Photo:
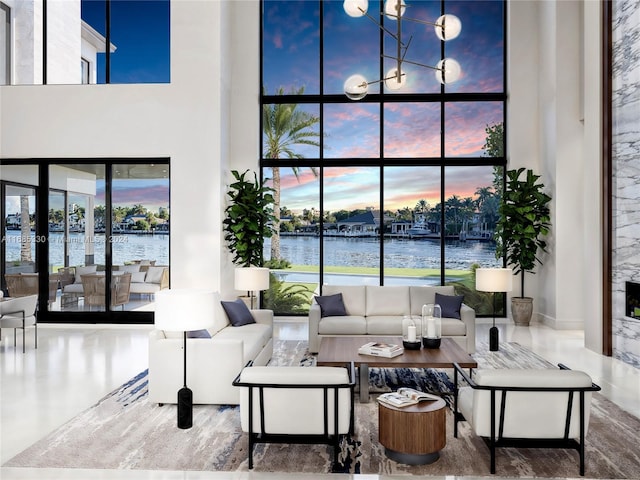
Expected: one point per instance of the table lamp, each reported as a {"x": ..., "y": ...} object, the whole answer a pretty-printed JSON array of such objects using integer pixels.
[
  {"x": 494, "y": 280},
  {"x": 184, "y": 310},
  {"x": 251, "y": 279}
]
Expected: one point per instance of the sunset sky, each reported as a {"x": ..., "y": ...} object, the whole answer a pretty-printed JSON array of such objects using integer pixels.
[{"x": 291, "y": 59}]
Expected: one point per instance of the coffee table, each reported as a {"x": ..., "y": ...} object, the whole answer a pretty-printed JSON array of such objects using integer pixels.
[{"x": 339, "y": 351}]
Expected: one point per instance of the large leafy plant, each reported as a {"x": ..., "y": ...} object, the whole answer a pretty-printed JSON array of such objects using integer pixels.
[
  {"x": 524, "y": 222},
  {"x": 248, "y": 219}
]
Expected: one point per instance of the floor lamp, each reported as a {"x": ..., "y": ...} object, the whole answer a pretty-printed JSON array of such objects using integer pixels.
[
  {"x": 494, "y": 280},
  {"x": 184, "y": 310},
  {"x": 251, "y": 280}
]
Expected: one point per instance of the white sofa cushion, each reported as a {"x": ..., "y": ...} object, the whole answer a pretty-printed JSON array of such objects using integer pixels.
[
  {"x": 349, "y": 325},
  {"x": 295, "y": 411},
  {"x": 254, "y": 337},
  {"x": 527, "y": 414},
  {"x": 144, "y": 287},
  {"x": 385, "y": 325},
  {"x": 387, "y": 301}
]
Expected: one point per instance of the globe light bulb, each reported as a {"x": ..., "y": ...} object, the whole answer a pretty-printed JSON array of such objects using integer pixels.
[
  {"x": 448, "y": 71},
  {"x": 355, "y": 8},
  {"x": 448, "y": 27},
  {"x": 391, "y": 9},
  {"x": 356, "y": 87},
  {"x": 394, "y": 82}
]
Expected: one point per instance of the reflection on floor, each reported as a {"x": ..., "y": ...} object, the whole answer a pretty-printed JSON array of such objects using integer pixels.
[{"x": 75, "y": 366}]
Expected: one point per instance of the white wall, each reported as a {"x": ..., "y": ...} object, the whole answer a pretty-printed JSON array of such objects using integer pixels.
[
  {"x": 206, "y": 121},
  {"x": 553, "y": 128}
]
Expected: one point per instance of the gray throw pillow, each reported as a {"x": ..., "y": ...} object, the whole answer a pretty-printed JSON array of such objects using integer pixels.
[
  {"x": 450, "y": 305},
  {"x": 238, "y": 313},
  {"x": 331, "y": 305},
  {"x": 198, "y": 334}
]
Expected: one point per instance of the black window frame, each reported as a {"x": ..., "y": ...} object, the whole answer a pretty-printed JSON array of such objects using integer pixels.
[{"x": 382, "y": 99}]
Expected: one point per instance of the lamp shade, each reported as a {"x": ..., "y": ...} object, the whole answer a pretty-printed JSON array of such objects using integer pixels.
[
  {"x": 252, "y": 279},
  {"x": 494, "y": 279},
  {"x": 184, "y": 310}
]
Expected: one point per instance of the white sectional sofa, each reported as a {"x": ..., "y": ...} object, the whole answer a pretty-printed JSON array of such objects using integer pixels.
[
  {"x": 376, "y": 310},
  {"x": 212, "y": 363}
]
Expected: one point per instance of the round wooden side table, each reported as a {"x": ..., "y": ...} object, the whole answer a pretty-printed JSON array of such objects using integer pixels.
[{"x": 413, "y": 435}]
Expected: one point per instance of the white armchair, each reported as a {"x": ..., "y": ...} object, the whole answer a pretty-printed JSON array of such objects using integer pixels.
[
  {"x": 525, "y": 408},
  {"x": 17, "y": 313},
  {"x": 296, "y": 405}
]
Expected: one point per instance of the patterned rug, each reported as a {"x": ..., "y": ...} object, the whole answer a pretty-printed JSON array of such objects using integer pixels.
[{"x": 125, "y": 431}]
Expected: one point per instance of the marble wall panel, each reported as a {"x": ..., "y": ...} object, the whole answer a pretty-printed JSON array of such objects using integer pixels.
[{"x": 626, "y": 174}]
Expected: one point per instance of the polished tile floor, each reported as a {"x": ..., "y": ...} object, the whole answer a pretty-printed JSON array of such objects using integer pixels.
[{"x": 75, "y": 366}]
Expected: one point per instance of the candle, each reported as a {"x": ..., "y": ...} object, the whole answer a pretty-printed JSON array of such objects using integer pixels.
[
  {"x": 411, "y": 333},
  {"x": 431, "y": 328}
]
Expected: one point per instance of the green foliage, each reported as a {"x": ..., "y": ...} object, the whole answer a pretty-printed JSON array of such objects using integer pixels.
[
  {"x": 248, "y": 218},
  {"x": 142, "y": 225},
  {"x": 277, "y": 264},
  {"x": 289, "y": 299},
  {"x": 494, "y": 143},
  {"x": 524, "y": 221}
]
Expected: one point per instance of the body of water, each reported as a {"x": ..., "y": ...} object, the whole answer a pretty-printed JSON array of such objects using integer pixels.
[
  {"x": 125, "y": 248},
  {"x": 400, "y": 253}
]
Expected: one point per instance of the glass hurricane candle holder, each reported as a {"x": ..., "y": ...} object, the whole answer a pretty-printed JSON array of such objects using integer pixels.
[{"x": 431, "y": 325}]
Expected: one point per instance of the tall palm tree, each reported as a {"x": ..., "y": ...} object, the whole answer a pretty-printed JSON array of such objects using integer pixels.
[
  {"x": 284, "y": 127},
  {"x": 25, "y": 230}
]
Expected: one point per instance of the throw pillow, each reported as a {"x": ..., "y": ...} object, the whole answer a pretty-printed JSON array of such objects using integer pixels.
[
  {"x": 331, "y": 305},
  {"x": 138, "y": 277},
  {"x": 238, "y": 313},
  {"x": 154, "y": 275},
  {"x": 198, "y": 334},
  {"x": 88, "y": 270},
  {"x": 450, "y": 305}
]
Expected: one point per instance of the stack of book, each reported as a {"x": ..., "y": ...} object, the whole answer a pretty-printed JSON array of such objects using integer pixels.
[{"x": 379, "y": 349}]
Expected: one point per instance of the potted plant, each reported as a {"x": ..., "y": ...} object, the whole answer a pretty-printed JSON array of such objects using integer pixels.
[
  {"x": 248, "y": 219},
  {"x": 520, "y": 231}
]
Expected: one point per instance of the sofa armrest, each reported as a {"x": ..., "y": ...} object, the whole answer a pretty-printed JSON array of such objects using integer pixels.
[
  {"x": 263, "y": 316},
  {"x": 468, "y": 317},
  {"x": 314, "y": 325},
  {"x": 166, "y": 365}
]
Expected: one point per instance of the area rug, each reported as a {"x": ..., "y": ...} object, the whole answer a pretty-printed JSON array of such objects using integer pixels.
[{"x": 125, "y": 431}]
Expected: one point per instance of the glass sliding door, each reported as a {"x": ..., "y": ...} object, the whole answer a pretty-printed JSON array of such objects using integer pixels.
[
  {"x": 139, "y": 233},
  {"x": 19, "y": 268},
  {"x": 76, "y": 236}
]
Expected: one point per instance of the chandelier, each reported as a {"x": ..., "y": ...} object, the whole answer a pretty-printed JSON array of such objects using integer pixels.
[{"x": 447, "y": 27}]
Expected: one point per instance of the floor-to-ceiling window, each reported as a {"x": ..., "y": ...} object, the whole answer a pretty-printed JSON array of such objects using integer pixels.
[
  {"x": 401, "y": 186},
  {"x": 91, "y": 238},
  {"x": 113, "y": 41}
]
